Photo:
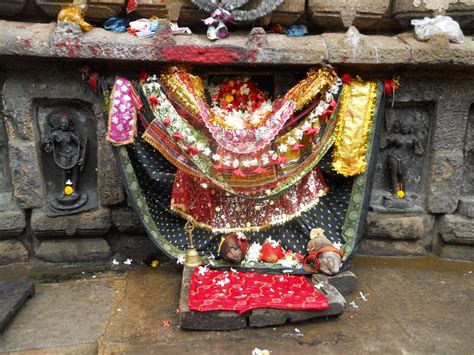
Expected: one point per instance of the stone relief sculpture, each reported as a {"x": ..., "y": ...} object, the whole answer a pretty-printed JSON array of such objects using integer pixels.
[
  {"x": 404, "y": 137},
  {"x": 69, "y": 153}
]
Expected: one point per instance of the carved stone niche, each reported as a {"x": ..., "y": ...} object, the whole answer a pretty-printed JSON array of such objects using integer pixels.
[
  {"x": 68, "y": 146},
  {"x": 402, "y": 162}
]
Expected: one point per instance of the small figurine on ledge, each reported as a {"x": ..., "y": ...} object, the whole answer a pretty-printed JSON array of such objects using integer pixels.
[{"x": 322, "y": 256}]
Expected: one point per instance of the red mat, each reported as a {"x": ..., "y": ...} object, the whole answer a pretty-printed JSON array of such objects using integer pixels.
[{"x": 216, "y": 290}]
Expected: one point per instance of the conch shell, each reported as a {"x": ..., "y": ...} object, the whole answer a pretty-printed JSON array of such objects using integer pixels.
[{"x": 329, "y": 261}]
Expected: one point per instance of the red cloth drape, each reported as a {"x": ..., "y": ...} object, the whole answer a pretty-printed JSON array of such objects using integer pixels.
[{"x": 216, "y": 290}]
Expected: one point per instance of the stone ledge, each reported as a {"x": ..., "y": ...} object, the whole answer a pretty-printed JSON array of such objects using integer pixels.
[
  {"x": 456, "y": 229},
  {"x": 74, "y": 250},
  {"x": 96, "y": 222},
  {"x": 399, "y": 226},
  {"x": 66, "y": 41},
  {"x": 375, "y": 247}
]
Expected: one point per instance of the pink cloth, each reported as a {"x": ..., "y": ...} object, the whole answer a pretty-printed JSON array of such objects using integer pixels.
[
  {"x": 215, "y": 290},
  {"x": 122, "y": 126}
]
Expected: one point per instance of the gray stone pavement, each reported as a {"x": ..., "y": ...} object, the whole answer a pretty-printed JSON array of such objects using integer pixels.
[{"x": 414, "y": 306}]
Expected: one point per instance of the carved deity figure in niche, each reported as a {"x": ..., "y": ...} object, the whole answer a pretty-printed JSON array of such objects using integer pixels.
[
  {"x": 406, "y": 135},
  {"x": 69, "y": 154}
]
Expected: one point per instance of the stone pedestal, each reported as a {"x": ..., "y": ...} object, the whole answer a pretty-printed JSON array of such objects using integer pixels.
[{"x": 264, "y": 317}]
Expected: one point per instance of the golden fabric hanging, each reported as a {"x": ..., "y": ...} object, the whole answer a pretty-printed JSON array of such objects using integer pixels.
[
  {"x": 317, "y": 82},
  {"x": 354, "y": 121}
]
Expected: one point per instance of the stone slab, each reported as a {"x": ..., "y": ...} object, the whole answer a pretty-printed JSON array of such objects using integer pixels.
[
  {"x": 12, "y": 251},
  {"x": 205, "y": 320},
  {"x": 345, "y": 282},
  {"x": 12, "y": 222},
  {"x": 25, "y": 172},
  {"x": 61, "y": 315},
  {"x": 445, "y": 181},
  {"x": 92, "y": 223},
  {"x": 267, "y": 317},
  {"x": 28, "y": 39},
  {"x": 338, "y": 14},
  {"x": 355, "y": 48},
  {"x": 13, "y": 296},
  {"x": 109, "y": 182},
  {"x": 399, "y": 226},
  {"x": 74, "y": 250},
  {"x": 227, "y": 320},
  {"x": 457, "y": 252},
  {"x": 466, "y": 206},
  {"x": 456, "y": 229},
  {"x": 377, "y": 247}
]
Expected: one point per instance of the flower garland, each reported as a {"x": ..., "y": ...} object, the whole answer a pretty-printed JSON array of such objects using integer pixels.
[{"x": 199, "y": 146}]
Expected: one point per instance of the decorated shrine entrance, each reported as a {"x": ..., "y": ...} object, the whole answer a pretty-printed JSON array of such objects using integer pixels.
[{"x": 253, "y": 180}]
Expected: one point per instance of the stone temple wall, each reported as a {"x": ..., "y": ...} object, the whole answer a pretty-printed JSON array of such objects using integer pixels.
[{"x": 39, "y": 71}]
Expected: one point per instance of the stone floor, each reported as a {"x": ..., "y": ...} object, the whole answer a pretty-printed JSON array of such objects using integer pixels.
[{"x": 413, "y": 306}]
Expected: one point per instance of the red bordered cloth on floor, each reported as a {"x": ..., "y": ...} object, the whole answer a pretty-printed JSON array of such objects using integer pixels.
[{"x": 216, "y": 290}]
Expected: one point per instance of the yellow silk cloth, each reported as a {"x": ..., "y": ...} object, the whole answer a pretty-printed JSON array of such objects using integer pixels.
[{"x": 354, "y": 120}]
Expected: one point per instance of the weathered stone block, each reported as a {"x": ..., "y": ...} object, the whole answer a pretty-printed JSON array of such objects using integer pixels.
[
  {"x": 12, "y": 251},
  {"x": 109, "y": 181},
  {"x": 11, "y": 7},
  {"x": 399, "y": 226},
  {"x": 338, "y": 14},
  {"x": 353, "y": 47},
  {"x": 437, "y": 52},
  {"x": 456, "y": 229},
  {"x": 127, "y": 221},
  {"x": 461, "y": 11},
  {"x": 466, "y": 206},
  {"x": 74, "y": 250},
  {"x": 392, "y": 248},
  {"x": 13, "y": 296},
  {"x": 25, "y": 173},
  {"x": 265, "y": 317},
  {"x": 97, "y": 9},
  {"x": 445, "y": 181},
  {"x": 12, "y": 222},
  {"x": 297, "y": 50},
  {"x": 345, "y": 282},
  {"x": 457, "y": 252},
  {"x": 93, "y": 223}
]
